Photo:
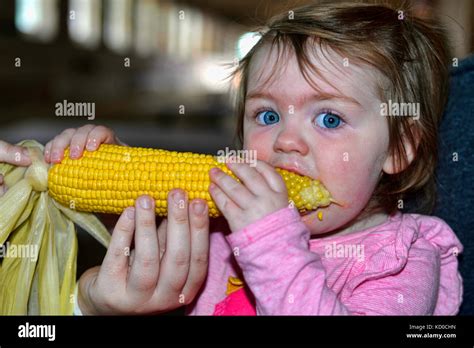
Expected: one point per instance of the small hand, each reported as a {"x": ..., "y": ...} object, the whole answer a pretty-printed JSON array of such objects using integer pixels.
[{"x": 261, "y": 192}]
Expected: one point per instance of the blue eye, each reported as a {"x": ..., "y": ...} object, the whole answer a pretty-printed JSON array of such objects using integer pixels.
[
  {"x": 328, "y": 120},
  {"x": 267, "y": 117}
]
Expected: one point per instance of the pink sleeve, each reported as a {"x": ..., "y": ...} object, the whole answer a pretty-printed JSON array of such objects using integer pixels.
[
  {"x": 287, "y": 278},
  {"x": 283, "y": 274}
]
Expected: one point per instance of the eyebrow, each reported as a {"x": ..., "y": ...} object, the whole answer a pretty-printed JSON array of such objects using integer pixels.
[{"x": 305, "y": 99}]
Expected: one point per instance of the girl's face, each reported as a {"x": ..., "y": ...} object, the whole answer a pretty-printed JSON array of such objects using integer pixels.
[{"x": 336, "y": 135}]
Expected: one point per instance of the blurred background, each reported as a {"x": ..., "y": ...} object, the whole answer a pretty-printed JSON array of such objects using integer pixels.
[{"x": 154, "y": 69}]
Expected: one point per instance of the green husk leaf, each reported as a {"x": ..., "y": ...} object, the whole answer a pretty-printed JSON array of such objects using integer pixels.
[
  {"x": 43, "y": 284},
  {"x": 88, "y": 222},
  {"x": 48, "y": 285},
  {"x": 12, "y": 205},
  {"x": 17, "y": 273}
]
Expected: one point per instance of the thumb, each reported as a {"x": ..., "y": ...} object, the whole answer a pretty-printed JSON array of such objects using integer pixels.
[
  {"x": 13, "y": 154},
  {"x": 86, "y": 281}
]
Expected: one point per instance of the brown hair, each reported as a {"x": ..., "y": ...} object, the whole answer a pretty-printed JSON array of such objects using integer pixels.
[{"x": 412, "y": 56}]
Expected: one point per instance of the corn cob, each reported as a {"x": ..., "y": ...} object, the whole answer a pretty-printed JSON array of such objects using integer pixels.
[{"x": 110, "y": 179}]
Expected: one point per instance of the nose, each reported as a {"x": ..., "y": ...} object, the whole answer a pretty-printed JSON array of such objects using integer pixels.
[{"x": 290, "y": 140}]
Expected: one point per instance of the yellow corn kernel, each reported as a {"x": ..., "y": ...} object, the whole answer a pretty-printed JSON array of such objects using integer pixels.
[{"x": 94, "y": 184}]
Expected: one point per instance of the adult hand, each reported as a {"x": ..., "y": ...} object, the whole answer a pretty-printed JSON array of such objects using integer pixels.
[{"x": 12, "y": 154}]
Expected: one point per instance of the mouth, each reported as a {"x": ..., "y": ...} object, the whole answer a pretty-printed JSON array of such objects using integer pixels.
[
  {"x": 309, "y": 192},
  {"x": 293, "y": 170}
]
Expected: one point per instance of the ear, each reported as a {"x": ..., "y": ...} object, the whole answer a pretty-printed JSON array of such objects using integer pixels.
[{"x": 393, "y": 164}]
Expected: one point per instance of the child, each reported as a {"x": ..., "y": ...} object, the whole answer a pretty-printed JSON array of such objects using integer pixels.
[{"x": 350, "y": 94}]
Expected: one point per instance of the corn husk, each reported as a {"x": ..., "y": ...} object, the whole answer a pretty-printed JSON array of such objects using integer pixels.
[{"x": 41, "y": 279}]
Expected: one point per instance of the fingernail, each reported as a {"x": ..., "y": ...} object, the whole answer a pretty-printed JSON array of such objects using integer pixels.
[
  {"x": 130, "y": 213},
  {"x": 91, "y": 144},
  {"x": 215, "y": 171},
  {"x": 178, "y": 197},
  {"x": 199, "y": 207},
  {"x": 145, "y": 202},
  {"x": 74, "y": 152},
  {"x": 55, "y": 156}
]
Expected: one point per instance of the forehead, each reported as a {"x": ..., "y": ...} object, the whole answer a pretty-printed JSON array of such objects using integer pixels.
[{"x": 279, "y": 74}]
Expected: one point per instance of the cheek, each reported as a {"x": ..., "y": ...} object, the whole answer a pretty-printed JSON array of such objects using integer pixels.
[
  {"x": 350, "y": 171},
  {"x": 260, "y": 141}
]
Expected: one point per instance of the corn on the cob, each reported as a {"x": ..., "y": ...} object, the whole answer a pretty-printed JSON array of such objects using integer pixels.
[{"x": 110, "y": 179}]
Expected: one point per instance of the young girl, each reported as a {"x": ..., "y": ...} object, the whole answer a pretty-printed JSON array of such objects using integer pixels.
[{"x": 349, "y": 94}]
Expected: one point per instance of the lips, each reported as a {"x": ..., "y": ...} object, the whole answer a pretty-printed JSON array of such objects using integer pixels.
[
  {"x": 293, "y": 169},
  {"x": 294, "y": 164}
]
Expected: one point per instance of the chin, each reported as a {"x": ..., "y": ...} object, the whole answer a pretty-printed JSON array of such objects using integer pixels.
[
  {"x": 316, "y": 226},
  {"x": 334, "y": 217}
]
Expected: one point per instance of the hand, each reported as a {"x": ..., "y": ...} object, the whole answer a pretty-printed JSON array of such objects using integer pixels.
[
  {"x": 88, "y": 137},
  {"x": 12, "y": 154},
  {"x": 164, "y": 271},
  {"x": 261, "y": 192}
]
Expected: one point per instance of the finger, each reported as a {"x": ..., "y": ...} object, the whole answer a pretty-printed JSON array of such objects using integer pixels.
[
  {"x": 227, "y": 207},
  {"x": 47, "y": 151},
  {"x": 250, "y": 177},
  {"x": 14, "y": 154},
  {"x": 237, "y": 192},
  {"x": 131, "y": 258},
  {"x": 87, "y": 285},
  {"x": 78, "y": 141},
  {"x": 199, "y": 226},
  {"x": 99, "y": 135},
  {"x": 175, "y": 264},
  {"x": 162, "y": 236},
  {"x": 271, "y": 176},
  {"x": 120, "y": 142},
  {"x": 115, "y": 264},
  {"x": 60, "y": 143},
  {"x": 145, "y": 268}
]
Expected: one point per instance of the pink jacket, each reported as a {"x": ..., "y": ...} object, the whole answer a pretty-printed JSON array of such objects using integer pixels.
[{"x": 405, "y": 266}]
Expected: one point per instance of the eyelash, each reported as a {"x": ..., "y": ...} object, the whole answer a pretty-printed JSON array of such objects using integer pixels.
[
  {"x": 322, "y": 111},
  {"x": 262, "y": 109},
  {"x": 330, "y": 111}
]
